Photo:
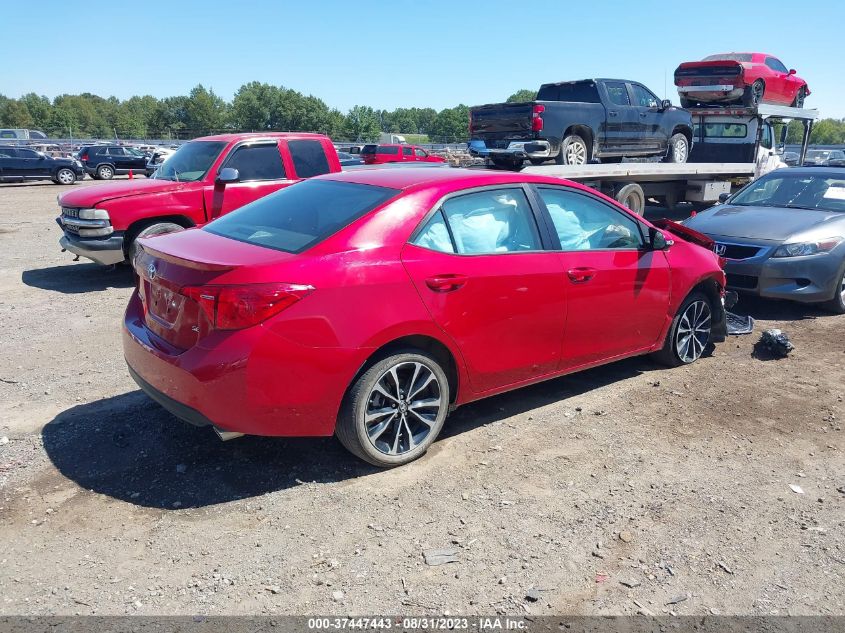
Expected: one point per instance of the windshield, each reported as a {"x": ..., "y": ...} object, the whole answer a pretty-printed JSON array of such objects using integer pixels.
[
  {"x": 299, "y": 216},
  {"x": 794, "y": 192},
  {"x": 190, "y": 162}
]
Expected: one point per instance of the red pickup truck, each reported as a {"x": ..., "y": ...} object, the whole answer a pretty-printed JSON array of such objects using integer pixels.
[{"x": 204, "y": 179}]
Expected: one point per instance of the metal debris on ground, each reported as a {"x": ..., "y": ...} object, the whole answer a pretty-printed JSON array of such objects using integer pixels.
[
  {"x": 776, "y": 342},
  {"x": 434, "y": 557}
]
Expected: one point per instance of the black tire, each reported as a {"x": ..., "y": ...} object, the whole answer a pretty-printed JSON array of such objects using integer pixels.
[
  {"x": 678, "y": 151},
  {"x": 573, "y": 151},
  {"x": 633, "y": 197},
  {"x": 105, "y": 172},
  {"x": 837, "y": 304},
  {"x": 798, "y": 102},
  {"x": 753, "y": 94},
  {"x": 674, "y": 352},
  {"x": 391, "y": 417},
  {"x": 158, "y": 228},
  {"x": 65, "y": 176}
]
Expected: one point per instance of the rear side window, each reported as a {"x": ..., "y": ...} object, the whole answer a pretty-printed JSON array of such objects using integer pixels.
[
  {"x": 407, "y": 151},
  {"x": 388, "y": 149},
  {"x": 257, "y": 162},
  {"x": 583, "y": 223},
  {"x": 298, "y": 217},
  {"x": 309, "y": 158},
  {"x": 618, "y": 93},
  {"x": 27, "y": 153}
]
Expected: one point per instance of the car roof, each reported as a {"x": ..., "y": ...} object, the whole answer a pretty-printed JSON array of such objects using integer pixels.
[
  {"x": 410, "y": 177},
  {"x": 260, "y": 135}
]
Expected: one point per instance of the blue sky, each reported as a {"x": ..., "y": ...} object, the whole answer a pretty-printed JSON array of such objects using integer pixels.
[{"x": 401, "y": 53}]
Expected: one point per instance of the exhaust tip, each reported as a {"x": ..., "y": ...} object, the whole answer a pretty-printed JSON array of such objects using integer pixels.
[{"x": 226, "y": 435}]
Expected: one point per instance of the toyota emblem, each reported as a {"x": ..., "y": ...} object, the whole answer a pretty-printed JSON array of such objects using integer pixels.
[
  {"x": 720, "y": 249},
  {"x": 151, "y": 271}
]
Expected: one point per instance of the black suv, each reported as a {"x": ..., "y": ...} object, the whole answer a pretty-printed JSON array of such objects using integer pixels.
[
  {"x": 104, "y": 161},
  {"x": 20, "y": 163}
]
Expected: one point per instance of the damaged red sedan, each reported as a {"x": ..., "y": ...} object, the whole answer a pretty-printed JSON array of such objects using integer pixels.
[
  {"x": 369, "y": 304},
  {"x": 739, "y": 78}
]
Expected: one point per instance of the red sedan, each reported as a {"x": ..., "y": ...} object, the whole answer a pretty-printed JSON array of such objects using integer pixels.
[
  {"x": 747, "y": 78},
  {"x": 371, "y": 303},
  {"x": 396, "y": 153}
]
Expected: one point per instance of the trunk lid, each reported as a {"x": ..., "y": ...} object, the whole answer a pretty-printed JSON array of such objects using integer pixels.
[
  {"x": 170, "y": 263},
  {"x": 700, "y": 73}
]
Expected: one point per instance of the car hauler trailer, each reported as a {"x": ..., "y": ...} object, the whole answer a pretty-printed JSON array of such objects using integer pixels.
[{"x": 731, "y": 146}]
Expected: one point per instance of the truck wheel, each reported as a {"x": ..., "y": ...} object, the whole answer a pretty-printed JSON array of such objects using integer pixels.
[
  {"x": 799, "y": 98},
  {"x": 754, "y": 94},
  {"x": 633, "y": 197},
  {"x": 160, "y": 228},
  {"x": 105, "y": 172},
  {"x": 65, "y": 177},
  {"x": 573, "y": 151},
  {"x": 678, "y": 149}
]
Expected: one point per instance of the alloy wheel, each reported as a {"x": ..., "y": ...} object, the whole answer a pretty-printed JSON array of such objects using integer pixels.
[
  {"x": 66, "y": 177},
  {"x": 757, "y": 90},
  {"x": 680, "y": 151},
  {"x": 402, "y": 408},
  {"x": 576, "y": 153},
  {"x": 693, "y": 332}
]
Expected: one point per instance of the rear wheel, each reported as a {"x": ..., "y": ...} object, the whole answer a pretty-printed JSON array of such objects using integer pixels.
[
  {"x": 65, "y": 176},
  {"x": 160, "y": 228},
  {"x": 690, "y": 332},
  {"x": 395, "y": 410},
  {"x": 837, "y": 304},
  {"x": 105, "y": 172},
  {"x": 754, "y": 94},
  {"x": 573, "y": 151},
  {"x": 678, "y": 151},
  {"x": 799, "y": 98},
  {"x": 633, "y": 197}
]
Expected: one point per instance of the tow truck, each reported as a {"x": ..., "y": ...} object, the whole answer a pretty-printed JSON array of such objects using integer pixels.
[{"x": 731, "y": 147}]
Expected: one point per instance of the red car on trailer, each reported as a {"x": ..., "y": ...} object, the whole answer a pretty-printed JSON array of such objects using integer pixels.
[{"x": 747, "y": 78}]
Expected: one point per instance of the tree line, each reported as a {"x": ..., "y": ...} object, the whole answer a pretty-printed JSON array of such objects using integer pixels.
[
  {"x": 256, "y": 106},
  {"x": 260, "y": 106}
]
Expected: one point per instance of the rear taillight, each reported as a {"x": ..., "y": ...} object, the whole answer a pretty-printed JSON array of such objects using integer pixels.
[
  {"x": 537, "y": 118},
  {"x": 84, "y": 158},
  {"x": 238, "y": 307}
]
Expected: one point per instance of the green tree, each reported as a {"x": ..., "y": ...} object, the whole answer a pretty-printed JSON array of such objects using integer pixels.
[
  {"x": 39, "y": 109},
  {"x": 451, "y": 125},
  {"x": 15, "y": 114},
  {"x": 205, "y": 112},
  {"x": 362, "y": 124},
  {"x": 253, "y": 106},
  {"x": 522, "y": 95}
]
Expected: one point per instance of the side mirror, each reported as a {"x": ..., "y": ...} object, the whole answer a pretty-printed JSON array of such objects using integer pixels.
[
  {"x": 228, "y": 175},
  {"x": 723, "y": 197},
  {"x": 791, "y": 71},
  {"x": 657, "y": 240},
  {"x": 665, "y": 104}
]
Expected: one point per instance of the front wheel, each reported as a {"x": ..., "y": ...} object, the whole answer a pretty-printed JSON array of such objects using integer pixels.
[
  {"x": 678, "y": 149},
  {"x": 690, "y": 332},
  {"x": 395, "y": 410},
  {"x": 105, "y": 172},
  {"x": 159, "y": 228},
  {"x": 65, "y": 177},
  {"x": 837, "y": 304},
  {"x": 798, "y": 102}
]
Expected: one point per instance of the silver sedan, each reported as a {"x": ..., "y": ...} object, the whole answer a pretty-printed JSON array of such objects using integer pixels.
[{"x": 783, "y": 236}]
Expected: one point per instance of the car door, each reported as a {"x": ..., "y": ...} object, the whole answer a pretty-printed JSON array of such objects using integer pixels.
[
  {"x": 777, "y": 83},
  {"x": 407, "y": 154},
  {"x": 421, "y": 155},
  {"x": 117, "y": 157},
  {"x": 652, "y": 133},
  {"x": 481, "y": 268},
  {"x": 617, "y": 287},
  {"x": 260, "y": 171},
  {"x": 30, "y": 164},
  {"x": 623, "y": 124}
]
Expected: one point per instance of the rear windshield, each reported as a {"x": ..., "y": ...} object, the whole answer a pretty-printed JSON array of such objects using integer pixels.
[
  {"x": 298, "y": 217},
  {"x": 729, "y": 57},
  {"x": 369, "y": 149},
  {"x": 581, "y": 92}
]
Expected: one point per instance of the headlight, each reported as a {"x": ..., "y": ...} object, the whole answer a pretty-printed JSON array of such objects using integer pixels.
[
  {"x": 799, "y": 249},
  {"x": 93, "y": 214}
]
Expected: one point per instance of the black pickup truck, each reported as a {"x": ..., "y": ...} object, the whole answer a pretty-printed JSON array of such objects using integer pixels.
[{"x": 577, "y": 122}]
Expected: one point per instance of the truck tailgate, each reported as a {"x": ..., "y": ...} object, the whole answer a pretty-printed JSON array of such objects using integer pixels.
[{"x": 501, "y": 121}]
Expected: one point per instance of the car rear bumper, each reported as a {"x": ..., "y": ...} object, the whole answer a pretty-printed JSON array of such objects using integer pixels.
[
  {"x": 106, "y": 251},
  {"x": 808, "y": 279},
  {"x": 537, "y": 148},
  {"x": 250, "y": 381}
]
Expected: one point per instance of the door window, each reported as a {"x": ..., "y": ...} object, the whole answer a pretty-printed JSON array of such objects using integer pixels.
[
  {"x": 493, "y": 221},
  {"x": 643, "y": 97},
  {"x": 27, "y": 153},
  {"x": 584, "y": 223},
  {"x": 420, "y": 153},
  {"x": 257, "y": 162},
  {"x": 309, "y": 158},
  {"x": 435, "y": 236},
  {"x": 618, "y": 93},
  {"x": 407, "y": 151},
  {"x": 116, "y": 151},
  {"x": 775, "y": 64}
]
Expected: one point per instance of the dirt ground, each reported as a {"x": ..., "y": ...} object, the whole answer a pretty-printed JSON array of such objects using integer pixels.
[{"x": 623, "y": 489}]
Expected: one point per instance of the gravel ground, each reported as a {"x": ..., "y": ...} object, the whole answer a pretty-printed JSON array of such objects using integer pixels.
[{"x": 623, "y": 489}]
